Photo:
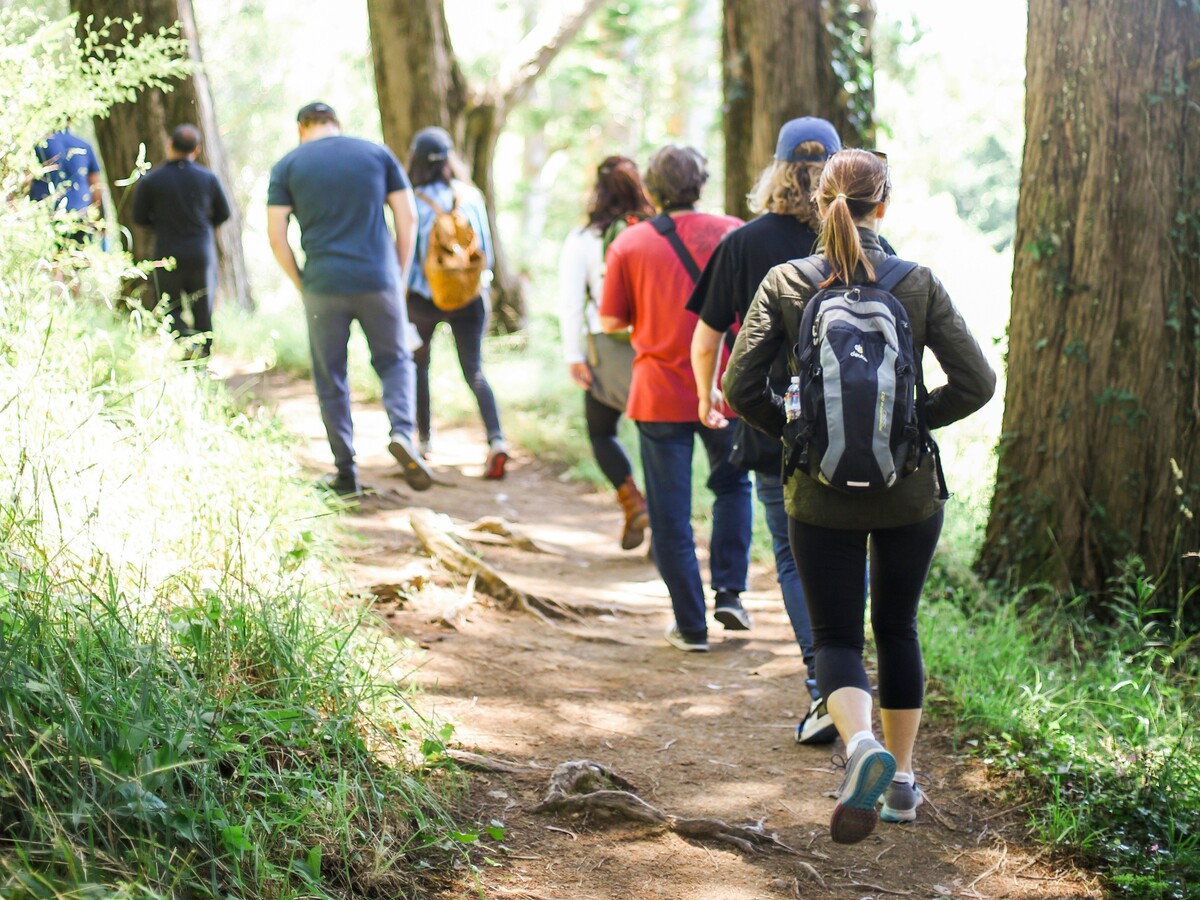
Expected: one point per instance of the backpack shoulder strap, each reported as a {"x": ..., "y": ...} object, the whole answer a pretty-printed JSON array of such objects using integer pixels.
[
  {"x": 891, "y": 272},
  {"x": 814, "y": 269},
  {"x": 429, "y": 201},
  {"x": 665, "y": 226}
]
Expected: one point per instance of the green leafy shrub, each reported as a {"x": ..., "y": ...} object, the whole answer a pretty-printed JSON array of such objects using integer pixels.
[{"x": 1092, "y": 718}]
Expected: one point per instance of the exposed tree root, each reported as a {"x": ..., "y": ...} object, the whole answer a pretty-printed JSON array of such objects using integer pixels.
[
  {"x": 436, "y": 534},
  {"x": 439, "y": 537},
  {"x": 585, "y": 787},
  {"x": 495, "y": 530},
  {"x": 477, "y": 762}
]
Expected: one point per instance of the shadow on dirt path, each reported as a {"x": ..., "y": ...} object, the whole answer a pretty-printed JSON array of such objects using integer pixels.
[{"x": 698, "y": 735}]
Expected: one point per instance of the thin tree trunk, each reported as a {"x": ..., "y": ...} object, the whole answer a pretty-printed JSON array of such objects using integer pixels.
[
  {"x": 1098, "y": 457},
  {"x": 149, "y": 120},
  {"x": 419, "y": 83},
  {"x": 234, "y": 282},
  {"x": 789, "y": 58}
]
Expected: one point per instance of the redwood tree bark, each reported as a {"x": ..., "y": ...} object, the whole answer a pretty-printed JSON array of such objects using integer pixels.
[
  {"x": 789, "y": 58},
  {"x": 149, "y": 120},
  {"x": 419, "y": 83},
  {"x": 1098, "y": 457}
]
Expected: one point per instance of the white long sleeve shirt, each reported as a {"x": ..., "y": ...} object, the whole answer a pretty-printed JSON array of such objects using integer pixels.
[{"x": 580, "y": 271}]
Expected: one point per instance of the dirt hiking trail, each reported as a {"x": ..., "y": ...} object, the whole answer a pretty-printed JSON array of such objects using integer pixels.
[{"x": 697, "y": 735}]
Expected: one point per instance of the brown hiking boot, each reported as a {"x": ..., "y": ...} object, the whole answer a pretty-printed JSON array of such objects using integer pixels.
[{"x": 636, "y": 519}]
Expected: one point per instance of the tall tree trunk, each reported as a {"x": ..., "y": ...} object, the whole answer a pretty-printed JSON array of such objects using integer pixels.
[
  {"x": 419, "y": 83},
  {"x": 1098, "y": 457},
  {"x": 789, "y": 58},
  {"x": 148, "y": 121}
]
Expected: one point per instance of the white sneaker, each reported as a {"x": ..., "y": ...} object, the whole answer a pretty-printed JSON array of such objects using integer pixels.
[
  {"x": 676, "y": 639},
  {"x": 817, "y": 727}
]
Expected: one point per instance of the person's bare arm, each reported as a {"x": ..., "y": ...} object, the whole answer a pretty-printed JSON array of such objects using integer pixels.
[
  {"x": 613, "y": 324},
  {"x": 705, "y": 343},
  {"x": 404, "y": 217},
  {"x": 277, "y": 228},
  {"x": 96, "y": 185}
]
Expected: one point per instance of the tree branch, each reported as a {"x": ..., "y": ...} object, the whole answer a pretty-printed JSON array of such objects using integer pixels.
[{"x": 533, "y": 55}]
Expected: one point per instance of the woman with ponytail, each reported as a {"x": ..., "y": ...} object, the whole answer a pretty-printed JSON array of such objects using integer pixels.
[
  {"x": 601, "y": 364},
  {"x": 829, "y": 528}
]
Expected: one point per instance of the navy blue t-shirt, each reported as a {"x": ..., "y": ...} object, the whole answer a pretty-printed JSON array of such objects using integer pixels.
[
  {"x": 70, "y": 160},
  {"x": 337, "y": 188},
  {"x": 182, "y": 201}
]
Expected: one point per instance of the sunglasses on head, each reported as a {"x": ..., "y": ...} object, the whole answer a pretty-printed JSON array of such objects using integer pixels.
[{"x": 878, "y": 154}]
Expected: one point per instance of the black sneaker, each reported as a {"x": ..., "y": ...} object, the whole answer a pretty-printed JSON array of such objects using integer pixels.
[
  {"x": 343, "y": 484},
  {"x": 416, "y": 473},
  {"x": 817, "y": 727},
  {"x": 730, "y": 612}
]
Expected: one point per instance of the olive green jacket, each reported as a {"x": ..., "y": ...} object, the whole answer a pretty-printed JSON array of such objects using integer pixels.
[{"x": 773, "y": 322}]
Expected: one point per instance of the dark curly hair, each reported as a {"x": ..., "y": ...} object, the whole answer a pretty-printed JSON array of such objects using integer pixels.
[
  {"x": 675, "y": 176},
  {"x": 618, "y": 192}
]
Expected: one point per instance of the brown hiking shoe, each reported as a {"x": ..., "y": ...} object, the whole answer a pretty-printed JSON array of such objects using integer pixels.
[{"x": 636, "y": 518}]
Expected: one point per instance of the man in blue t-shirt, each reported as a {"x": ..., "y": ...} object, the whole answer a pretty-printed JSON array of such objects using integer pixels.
[
  {"x": 71, "y": 175},
  {"x": 337, "y": 188}
]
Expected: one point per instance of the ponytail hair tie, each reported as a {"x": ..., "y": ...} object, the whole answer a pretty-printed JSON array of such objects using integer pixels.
[{"x": 840, "y": 196}]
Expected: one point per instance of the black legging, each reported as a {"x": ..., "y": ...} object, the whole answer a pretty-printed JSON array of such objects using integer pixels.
[
  {"x": 832, "y": 563},
  {"x": 602, "y": 432},
  {"x": 467, "y": 325}
]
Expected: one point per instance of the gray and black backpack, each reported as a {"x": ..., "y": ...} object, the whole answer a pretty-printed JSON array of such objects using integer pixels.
[{"x": 862, "y": 420}]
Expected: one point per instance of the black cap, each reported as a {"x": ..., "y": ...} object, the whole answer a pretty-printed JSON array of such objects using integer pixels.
[
  {"x": 433, "y": 144},
  {"x": 316, "y": 110}
]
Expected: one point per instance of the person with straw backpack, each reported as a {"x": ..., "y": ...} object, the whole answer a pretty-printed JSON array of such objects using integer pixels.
[{"x": 449, "y": 282}]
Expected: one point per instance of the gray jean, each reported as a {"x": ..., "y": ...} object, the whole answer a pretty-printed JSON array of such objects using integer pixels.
[{"x": 383, "y": 318}]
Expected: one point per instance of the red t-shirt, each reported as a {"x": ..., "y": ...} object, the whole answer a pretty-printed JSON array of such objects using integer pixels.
[{"x": 646, "y": 284}]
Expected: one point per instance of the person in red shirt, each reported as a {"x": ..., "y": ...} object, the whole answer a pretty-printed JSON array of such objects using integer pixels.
[{"x": 651, "y": 269}]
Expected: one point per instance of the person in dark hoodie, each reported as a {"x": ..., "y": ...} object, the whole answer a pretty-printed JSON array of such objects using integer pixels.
[{"x": 183, "y": 203}]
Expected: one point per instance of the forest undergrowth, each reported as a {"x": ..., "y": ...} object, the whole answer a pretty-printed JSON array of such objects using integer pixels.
[{"x": 186, "y": 706}]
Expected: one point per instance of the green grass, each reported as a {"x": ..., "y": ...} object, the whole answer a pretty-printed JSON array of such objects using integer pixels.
[{"x": 186, "y": 709}]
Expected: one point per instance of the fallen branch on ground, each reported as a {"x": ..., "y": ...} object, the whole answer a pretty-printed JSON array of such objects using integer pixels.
[{"x": 585, "y": 787}]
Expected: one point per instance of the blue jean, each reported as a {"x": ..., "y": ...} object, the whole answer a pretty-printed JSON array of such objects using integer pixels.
[
  {"x": 769, "y": 488},
  {"x": 384, "y": 322},
  {"x": 667, "y": 464}
]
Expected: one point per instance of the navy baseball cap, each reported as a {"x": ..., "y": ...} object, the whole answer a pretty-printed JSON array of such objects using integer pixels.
[
  {"x": 800, "y": 131},
  {"x": 316, "y": 110},
  {"x": 432, "y": 143}
]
